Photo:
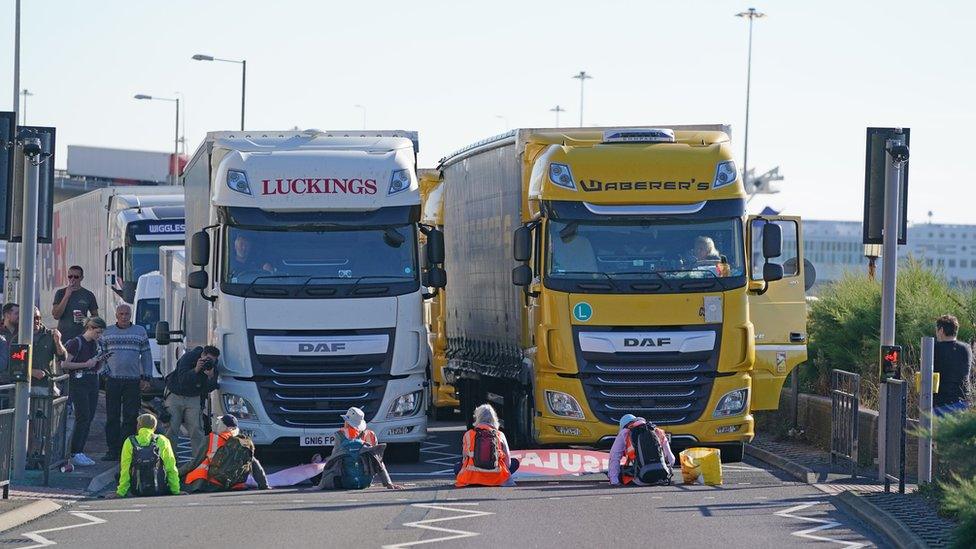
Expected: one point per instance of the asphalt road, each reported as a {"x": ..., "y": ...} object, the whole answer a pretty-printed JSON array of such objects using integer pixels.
[{"x": 754, "y": 508}]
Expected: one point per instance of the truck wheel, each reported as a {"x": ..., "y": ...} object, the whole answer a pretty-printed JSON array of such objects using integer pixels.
[
  {"x": 518, "y": 415},
  {"x": 732, "y": 454},
  {"x": 408, "y": 452}
]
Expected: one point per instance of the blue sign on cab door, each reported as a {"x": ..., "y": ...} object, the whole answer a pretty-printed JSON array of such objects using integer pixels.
[{"x": 582, "y": 312}]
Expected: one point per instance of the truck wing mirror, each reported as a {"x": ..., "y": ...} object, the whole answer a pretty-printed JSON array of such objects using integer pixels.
[
  {"x": 128, "y": 291},
  {"x": 772, "y": 272},
  {"x": 772, "y": 236},
  {"x": 199, "y": 280},
  {"x": 162, "y": 333},
  {"x": 436, "y": 277},
  {"x": 435, "y": 247},
  {"x": 200, "y": 248},
  {"x": 522, "y": 275},
  {"x": 523, "y": 245}
]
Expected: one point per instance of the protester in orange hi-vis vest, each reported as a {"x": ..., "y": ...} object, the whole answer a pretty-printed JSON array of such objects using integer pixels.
[
  {"x": 485, "y": 457},
  {"x": 623, "y": 447},
  {"x": 202, "y": 478}
]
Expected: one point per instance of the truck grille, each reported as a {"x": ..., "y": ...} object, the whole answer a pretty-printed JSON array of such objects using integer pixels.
[
  {"x": 665, "y": 388},
  {"x": 312, "y": 392}
]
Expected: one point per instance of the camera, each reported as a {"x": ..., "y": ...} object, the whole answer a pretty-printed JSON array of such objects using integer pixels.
[{"x": 208, "y": 364}]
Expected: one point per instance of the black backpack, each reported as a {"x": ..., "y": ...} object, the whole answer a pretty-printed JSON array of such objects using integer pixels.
[
  {"x": 649, "y": 465},
  {"x": 231, "y": 463},
  {"x": 485, "y": 449},
  {"x": 146, "y": 472}
]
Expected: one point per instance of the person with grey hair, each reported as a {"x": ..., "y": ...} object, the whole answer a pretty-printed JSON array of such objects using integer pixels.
[
  {"x": 127, "y": 372},
  {"x": 485, "y": 457},
  {"x": 84, "y": 360}
]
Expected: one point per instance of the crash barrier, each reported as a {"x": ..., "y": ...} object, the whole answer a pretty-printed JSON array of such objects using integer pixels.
[
  {"x": 845, "y": 390},
  {"x": 701, "y": 462},
  {"x": 6, "y": 435},
  {"x": 896, "y": 425},
  {"x": 48, "y": 439}
]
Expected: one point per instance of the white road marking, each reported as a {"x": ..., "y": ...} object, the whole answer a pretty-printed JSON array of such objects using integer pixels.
[
  {"x": 41, "y": 541},
  {"x": 824, "y": 524},
  {"x": 434, "y": 448},
  {"x": 425, "y": 524}
]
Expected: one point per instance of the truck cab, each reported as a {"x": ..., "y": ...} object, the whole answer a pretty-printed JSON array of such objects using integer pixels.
[{"x": 145, "y": 312}]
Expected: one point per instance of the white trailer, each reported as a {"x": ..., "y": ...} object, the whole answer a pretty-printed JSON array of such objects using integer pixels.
[
  {"x": 311, "y": 288},
  {"x": 172, "y": 274},
  {"x": 113, "y": 234}
]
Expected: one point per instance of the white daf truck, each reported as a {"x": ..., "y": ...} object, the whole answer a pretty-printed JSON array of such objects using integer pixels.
[{"x": 310, "y": 282}]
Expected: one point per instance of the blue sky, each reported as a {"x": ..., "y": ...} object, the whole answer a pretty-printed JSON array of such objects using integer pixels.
[{"x": 448, "y": 69}]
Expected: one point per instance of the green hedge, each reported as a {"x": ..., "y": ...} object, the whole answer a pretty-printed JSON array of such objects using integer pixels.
[
  {"x": 955, "y": 445},
  {"x": 844, "y": 324}
]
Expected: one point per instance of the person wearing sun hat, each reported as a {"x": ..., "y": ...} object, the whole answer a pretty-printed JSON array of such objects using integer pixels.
[{"x": 356, "y": 457}]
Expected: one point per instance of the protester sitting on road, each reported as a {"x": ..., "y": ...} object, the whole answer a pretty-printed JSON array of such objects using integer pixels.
[
  {"x": 953, "y": 361},
  {"x": 228, "y": 461},
  {"x": 84, "y": 360},
  {"x": 648, "y": 453},
  {"x": 356, "y": 458},
  {"x": 148, "y": 464},
  {"x": 485, "y": 457}
]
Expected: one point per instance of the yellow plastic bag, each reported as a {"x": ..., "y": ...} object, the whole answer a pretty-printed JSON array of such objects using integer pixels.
[{"x": 701, "y": 462}]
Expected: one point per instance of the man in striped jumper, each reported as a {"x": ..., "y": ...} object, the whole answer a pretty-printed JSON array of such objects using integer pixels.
[{"x": 127, "y": 371}]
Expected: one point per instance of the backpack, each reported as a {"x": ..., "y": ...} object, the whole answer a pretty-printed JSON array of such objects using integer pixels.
[
  {"x": 354, "y": 473},
  {"x": 231, "y": 463},
  {"x": 485, "y": 451},
  {"x": 146, "y": 472},
  {"x": 649, "y": 465}
]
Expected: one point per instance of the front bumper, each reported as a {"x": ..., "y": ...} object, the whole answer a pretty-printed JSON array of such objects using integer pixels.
[{"x": 266, "y": 433}]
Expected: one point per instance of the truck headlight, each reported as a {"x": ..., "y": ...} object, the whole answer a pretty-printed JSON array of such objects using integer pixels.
[
  {"x": 561, "y": 175},
  {"x": 732, "y": 403},
  {"x": 725, "y": 173},
  {"x": 406, "y": 405},
  {"x": 237, "y": 182},
  {"x": 238, "y": 406},
  {"x": 400, "y": 181},
  {"x": 563, "y": 405}
]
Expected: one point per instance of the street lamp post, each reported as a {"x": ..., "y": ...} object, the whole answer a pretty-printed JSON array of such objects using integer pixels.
[
  {"x": 582, "y": 77},
  {"x": 175, "y": 167},
  {"x": 751, "y": 14},
  {"x": 557, "y": 109},
  {"x": 362, "y": 108},
  {"x": 243, "y": 64},
  {"x": 26, "y": 93}
]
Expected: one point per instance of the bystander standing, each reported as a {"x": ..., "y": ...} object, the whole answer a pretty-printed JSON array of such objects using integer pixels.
[
  {"x": 11, "y": 322},
  {"x": 953, "y": 361},
  {"x": 46, "y": 355},
  {"x": 127, "y": 371},
  {"x": 194, "y": 378},
  {"x": 72, "y": 304},
  {"x": 83, "y": 362}
]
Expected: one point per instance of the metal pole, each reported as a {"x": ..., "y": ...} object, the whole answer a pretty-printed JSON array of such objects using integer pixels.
[
  {"x": 925, "y": 411},
  {"x": 243, "y": 89},
  {"x": 12, "y": 272},
  {"x": 889, "y": 269},
  {"x": 745, "y": 152},
  {"x": 28, "y": 257},
  {"x": 582, "y": 81},
  {"x": 176, "y": 147}
]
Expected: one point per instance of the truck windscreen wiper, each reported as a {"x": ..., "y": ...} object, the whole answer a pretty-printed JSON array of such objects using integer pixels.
[
  {"x": 605, "y": 275},
  {"x": 253, "y": 282},
  {"x": 658, "y": 274}
]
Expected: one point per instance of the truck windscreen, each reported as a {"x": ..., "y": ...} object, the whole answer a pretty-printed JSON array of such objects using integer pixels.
[
  {"x": 143, "y": 257},
  {"x": 324, "y": 257},
  {"x": 646, "y": 250},
  {"x": 147, "y": 315}
]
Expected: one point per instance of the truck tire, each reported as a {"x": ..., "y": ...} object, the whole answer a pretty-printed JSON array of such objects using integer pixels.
[
  {"x": 518, "y": 418},
  {"x": 408, "y": 452},
  {"x": 732, "y": 454}
]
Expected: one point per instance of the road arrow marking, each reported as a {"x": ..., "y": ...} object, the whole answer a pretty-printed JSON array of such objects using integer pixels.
[
  {"x": 42, "y": 541},
  {"x": 426, "y": 524},
  {"x": 824, "y": 525}
]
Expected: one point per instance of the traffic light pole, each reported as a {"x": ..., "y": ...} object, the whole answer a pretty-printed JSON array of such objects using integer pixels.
[
  {"x": 28, "y": 257},
  {"x": 895, "y": 157}
]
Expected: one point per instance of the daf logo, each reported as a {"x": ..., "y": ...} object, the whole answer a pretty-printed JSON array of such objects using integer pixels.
[
  {"x": 321, "y": 347},
  {"x": 647, "y": 342}
]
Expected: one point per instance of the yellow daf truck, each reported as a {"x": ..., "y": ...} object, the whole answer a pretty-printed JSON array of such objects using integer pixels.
[
  {"x": 442, "y": 397},
  {"x": 639, "y": 286}
]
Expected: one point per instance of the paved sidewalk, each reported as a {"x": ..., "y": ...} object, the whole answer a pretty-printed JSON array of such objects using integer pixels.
[{"x": 908, "y": 520}]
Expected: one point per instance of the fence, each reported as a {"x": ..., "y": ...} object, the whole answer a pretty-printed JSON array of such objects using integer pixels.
[
  {"x": 48, "y": 440},
  {"x": 895, "y": 409},
  {"x": 845, "y": 402},
  {"x": 6, "y": 435}
]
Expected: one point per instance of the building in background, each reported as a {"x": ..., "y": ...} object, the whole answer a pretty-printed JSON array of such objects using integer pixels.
[{"x": 834, "y": 247}]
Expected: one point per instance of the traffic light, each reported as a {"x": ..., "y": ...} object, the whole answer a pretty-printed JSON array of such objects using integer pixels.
[
  {"x": 890, "y": 361},
  {"x": 19, "y": 362}
]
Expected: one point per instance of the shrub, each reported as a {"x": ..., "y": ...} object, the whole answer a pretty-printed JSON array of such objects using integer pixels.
[
  {"x": 959, "y": 502},
  {"x": 844, "y": 324}
]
